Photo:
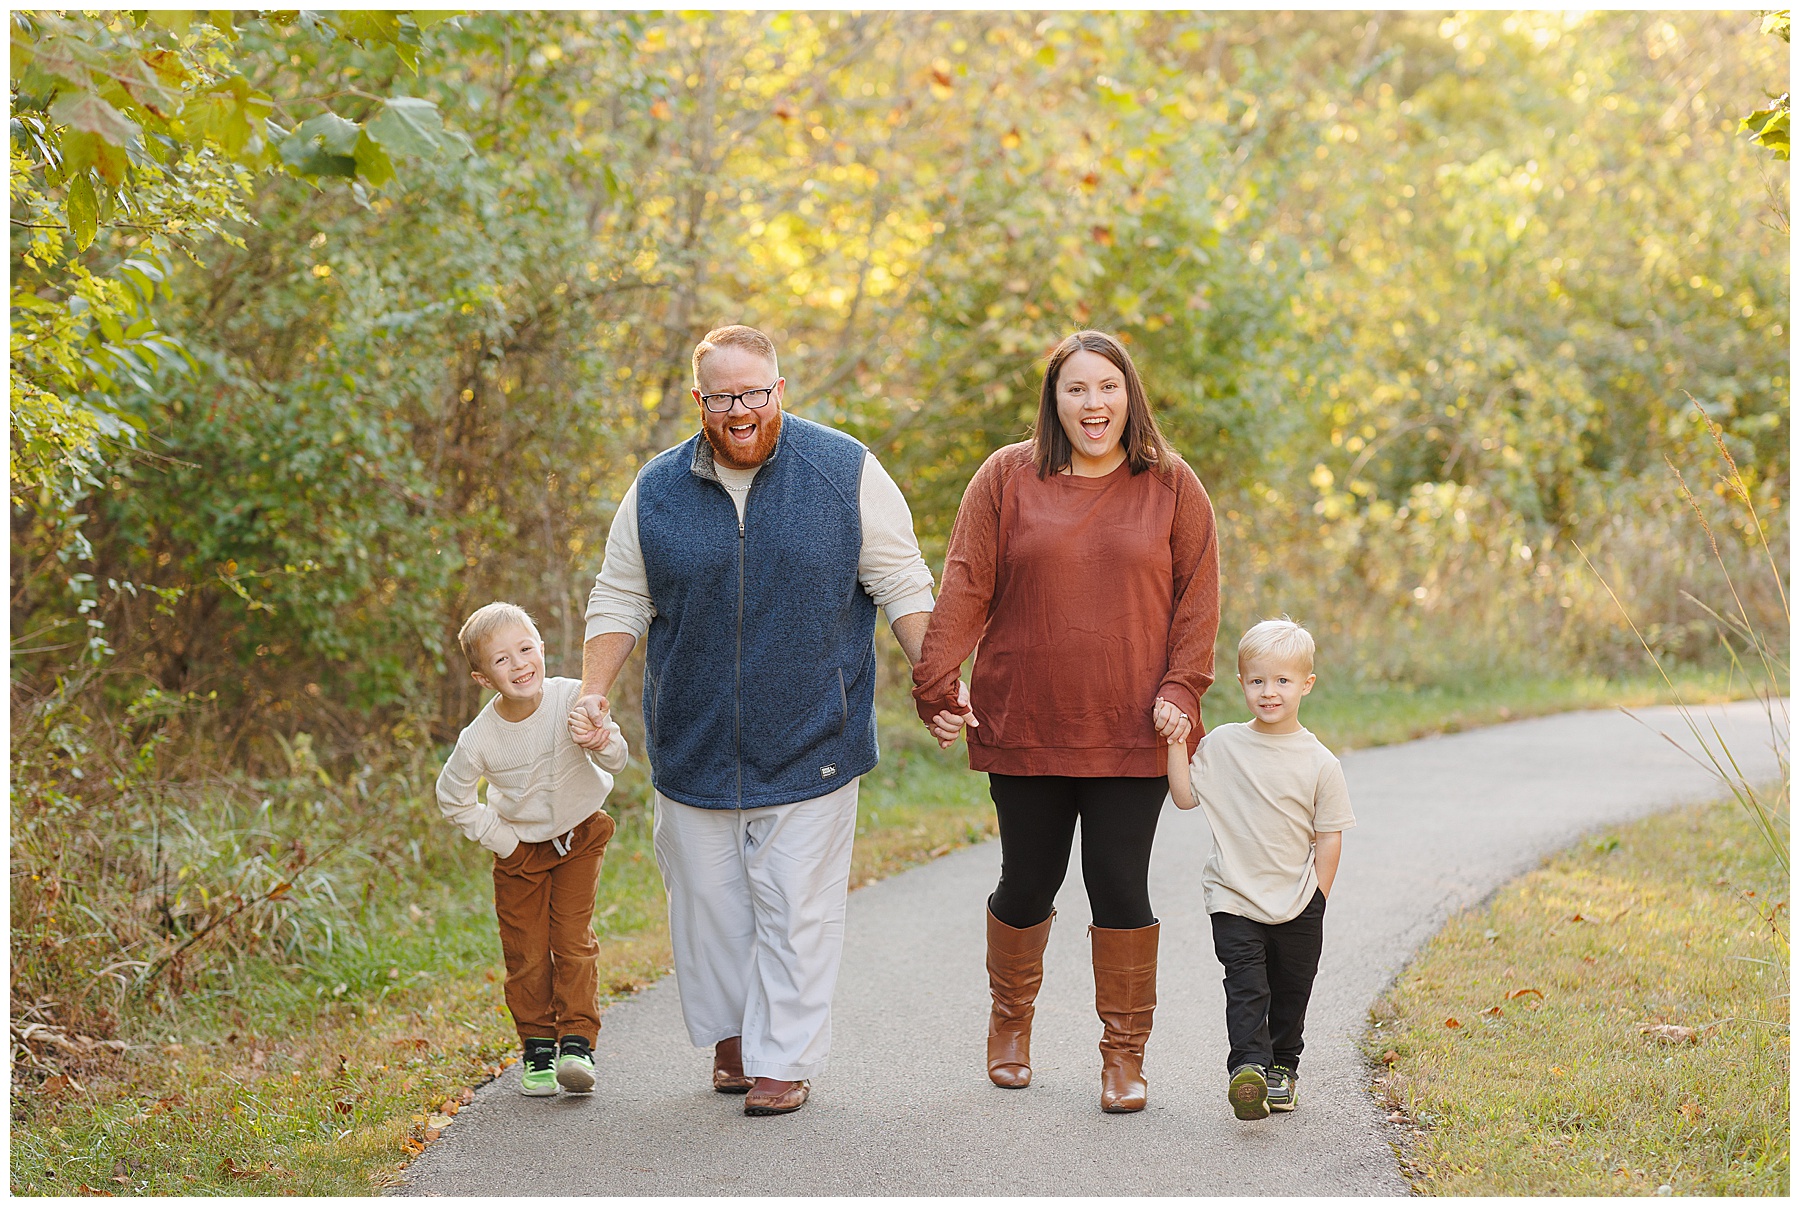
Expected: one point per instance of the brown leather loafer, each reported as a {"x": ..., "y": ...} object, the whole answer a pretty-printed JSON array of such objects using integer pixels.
[
  {"x": 728, "y": 1067},
  {"x": 772, "y": 1097}
]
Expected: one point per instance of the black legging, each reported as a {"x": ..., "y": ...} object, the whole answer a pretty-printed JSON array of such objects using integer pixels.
[{"x": 1037, "y": 823}]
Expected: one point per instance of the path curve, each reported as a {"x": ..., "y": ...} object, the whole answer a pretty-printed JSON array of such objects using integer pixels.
[{"x": 905, "y": 1106}]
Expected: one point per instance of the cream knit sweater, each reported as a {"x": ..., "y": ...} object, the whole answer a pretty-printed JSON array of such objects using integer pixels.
[{"x": 540, "y": 784}]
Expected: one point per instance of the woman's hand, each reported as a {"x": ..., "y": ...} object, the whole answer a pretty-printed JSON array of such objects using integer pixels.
[
  {"x": 946, "y": 725},
  {"x": 1172, "y": 725}
]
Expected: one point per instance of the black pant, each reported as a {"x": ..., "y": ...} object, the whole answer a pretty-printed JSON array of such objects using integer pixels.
[
  {"x": 1037, "y": 824},
  {"x": 1269, "y": 974}
]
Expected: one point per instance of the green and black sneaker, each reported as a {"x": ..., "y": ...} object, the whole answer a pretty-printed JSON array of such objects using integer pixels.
[
  {"x": 1249, "y": 1092},
  {"x": 1284, "y": 1088},
  {"x": 539, "y": 1078},
  {"x": 575, "y": 1067}
]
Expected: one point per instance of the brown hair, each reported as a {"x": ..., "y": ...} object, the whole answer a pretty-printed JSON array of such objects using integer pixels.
[
  {"x": 485, "y": 622},
  {"x": 735, "y": 336},
  {"x": 1143, "y": 441}
]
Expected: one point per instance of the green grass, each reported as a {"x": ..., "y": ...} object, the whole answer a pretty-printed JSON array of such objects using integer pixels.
[
  {"x": 1517, "y": 1050},
  {"x": 325, "y": 1077}
]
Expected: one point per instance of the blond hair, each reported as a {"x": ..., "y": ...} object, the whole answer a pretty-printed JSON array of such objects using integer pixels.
[
  {"x": 735, "y": 336},
  {"x": 1279, "y": 638},
  {"x": 484, "y": 623}
]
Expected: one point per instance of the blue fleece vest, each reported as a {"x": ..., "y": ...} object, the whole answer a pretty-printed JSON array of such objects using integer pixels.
[{"x": 759, "y": 673}]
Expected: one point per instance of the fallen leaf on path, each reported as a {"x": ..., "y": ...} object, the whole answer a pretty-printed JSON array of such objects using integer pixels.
[
  {"x": 431, "y": 1133},
  {"x": 1517, "y": 993},
  {"x": 1389, "y": 1057},
  {"x": 1670, "y": 1033},
  {"x": 1577, "y": 918},
  {"x": 342, "y": 1107},
  {"x": 1396, "y": 1117},
  {"x": 1452, "y": 1022},
  {"x": 451, "y": 1106},
  {"x": 467, "y": 1095},
  {"x": 1493, "y": 1012},
  {"x": 86, "y": 1189}
]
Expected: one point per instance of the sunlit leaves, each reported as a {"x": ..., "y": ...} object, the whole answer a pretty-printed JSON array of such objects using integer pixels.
[
  {"x": 1769, "y": 127},
  {"x": 86, "y": 111},
  {"x": 83, "y": 211},
  {"x": 229, "y": 114},
  {"x": 411, "y": 126}
]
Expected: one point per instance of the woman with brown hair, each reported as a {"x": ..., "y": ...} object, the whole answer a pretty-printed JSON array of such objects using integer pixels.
[{"x": 1084, "y": 565}]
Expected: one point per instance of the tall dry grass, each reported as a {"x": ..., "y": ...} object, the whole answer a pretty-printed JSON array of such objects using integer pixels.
[{"x": 1740, "y": 618}]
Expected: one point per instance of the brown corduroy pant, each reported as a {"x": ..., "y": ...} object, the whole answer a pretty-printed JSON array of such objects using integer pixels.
[{"x": 545, "y": 905}]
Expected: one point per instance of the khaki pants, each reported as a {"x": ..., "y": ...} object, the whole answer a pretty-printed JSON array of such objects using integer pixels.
[{"x": 545, "y": 905}]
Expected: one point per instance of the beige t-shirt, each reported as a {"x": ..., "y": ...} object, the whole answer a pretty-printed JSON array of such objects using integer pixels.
[{"x": 1265, "y": 796}]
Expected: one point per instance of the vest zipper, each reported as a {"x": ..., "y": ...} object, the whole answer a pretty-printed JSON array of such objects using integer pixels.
[{"x": 737, "y": 723}]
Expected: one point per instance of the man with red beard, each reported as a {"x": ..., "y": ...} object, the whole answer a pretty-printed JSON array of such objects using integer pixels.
[{"x": 755, "y": 554}]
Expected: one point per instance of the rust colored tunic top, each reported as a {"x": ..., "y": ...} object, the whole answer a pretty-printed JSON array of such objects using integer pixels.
[{"x": 1088, "y": 597}]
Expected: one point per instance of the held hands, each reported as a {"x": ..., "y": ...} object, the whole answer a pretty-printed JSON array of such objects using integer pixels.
[
  {"x": 1172, "y": 725},
  {"x": 587, "y": 723},
  {"x": 946, "y": 725}
]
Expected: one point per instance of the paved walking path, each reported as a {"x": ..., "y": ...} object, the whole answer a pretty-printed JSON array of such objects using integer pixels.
[{"x": 906, "y": 1108}]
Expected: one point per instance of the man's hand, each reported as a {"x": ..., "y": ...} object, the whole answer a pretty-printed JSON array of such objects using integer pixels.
[
  {"x": 946, "y": 725},
  {"x": 1172, "y": 725},
  {"x": 587, "y": 723}
]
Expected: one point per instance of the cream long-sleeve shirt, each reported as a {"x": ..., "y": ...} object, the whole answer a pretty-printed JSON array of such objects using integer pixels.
[
  {"x": 890, "y": 567},
  {"x": 540, "y": 784}
]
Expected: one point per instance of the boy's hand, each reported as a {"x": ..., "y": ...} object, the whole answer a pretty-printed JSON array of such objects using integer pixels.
[
  {"x": 946, "y": 725},
  {"x": 587, "y": 723},
  {"x": 1172, "y": 725}
]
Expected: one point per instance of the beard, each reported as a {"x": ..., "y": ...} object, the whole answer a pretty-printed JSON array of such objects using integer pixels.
[{"x": 768, "y": 431}]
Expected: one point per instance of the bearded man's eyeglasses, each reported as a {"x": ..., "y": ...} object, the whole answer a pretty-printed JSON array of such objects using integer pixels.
[{"x": 718, "y": 404}]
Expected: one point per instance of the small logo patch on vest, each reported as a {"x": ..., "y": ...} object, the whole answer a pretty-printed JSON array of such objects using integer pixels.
[{"x": 827, "y": 771}]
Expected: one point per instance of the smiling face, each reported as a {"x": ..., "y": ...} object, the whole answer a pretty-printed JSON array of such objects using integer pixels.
[
  {"x": 1272, "y": 687},
  {"x": 742, "y": 437},
  {"x": 1091, "y": 404},
  {"x": 512, "y": 662}
]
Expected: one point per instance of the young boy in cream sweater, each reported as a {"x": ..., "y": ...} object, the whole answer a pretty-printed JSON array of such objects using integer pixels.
[
  {"x": 1278, "y": 807},
  {"x": 545, "y": 823}
]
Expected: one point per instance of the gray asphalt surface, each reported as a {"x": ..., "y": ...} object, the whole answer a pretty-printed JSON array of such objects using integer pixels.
[{"x": 905, "y": 1107}]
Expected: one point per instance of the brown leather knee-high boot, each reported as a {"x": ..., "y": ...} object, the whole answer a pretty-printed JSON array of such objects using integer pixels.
[
  {"x": 1015, "y": 965},
  {"x": 1125, "y": 999}
]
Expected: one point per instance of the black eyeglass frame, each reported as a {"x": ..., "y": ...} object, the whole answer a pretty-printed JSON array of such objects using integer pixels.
[{"x": 706, "y": 399}]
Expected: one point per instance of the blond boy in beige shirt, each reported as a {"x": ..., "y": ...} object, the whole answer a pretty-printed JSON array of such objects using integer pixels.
[
  {"x": 545, "y": 821},
  {"x": 1276, "y": 800}
]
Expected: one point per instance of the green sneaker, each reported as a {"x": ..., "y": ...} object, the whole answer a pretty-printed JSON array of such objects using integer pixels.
[
  {"x": 1284, "y": 1088},
  {"x": 539, "y": 1077},
  {"x": 575, "y": 1067},
  {"x": 1249, "y": 1092}
]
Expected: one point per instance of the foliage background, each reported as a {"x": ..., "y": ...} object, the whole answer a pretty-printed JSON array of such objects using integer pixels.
[{"x": 1428, "y": 300}]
